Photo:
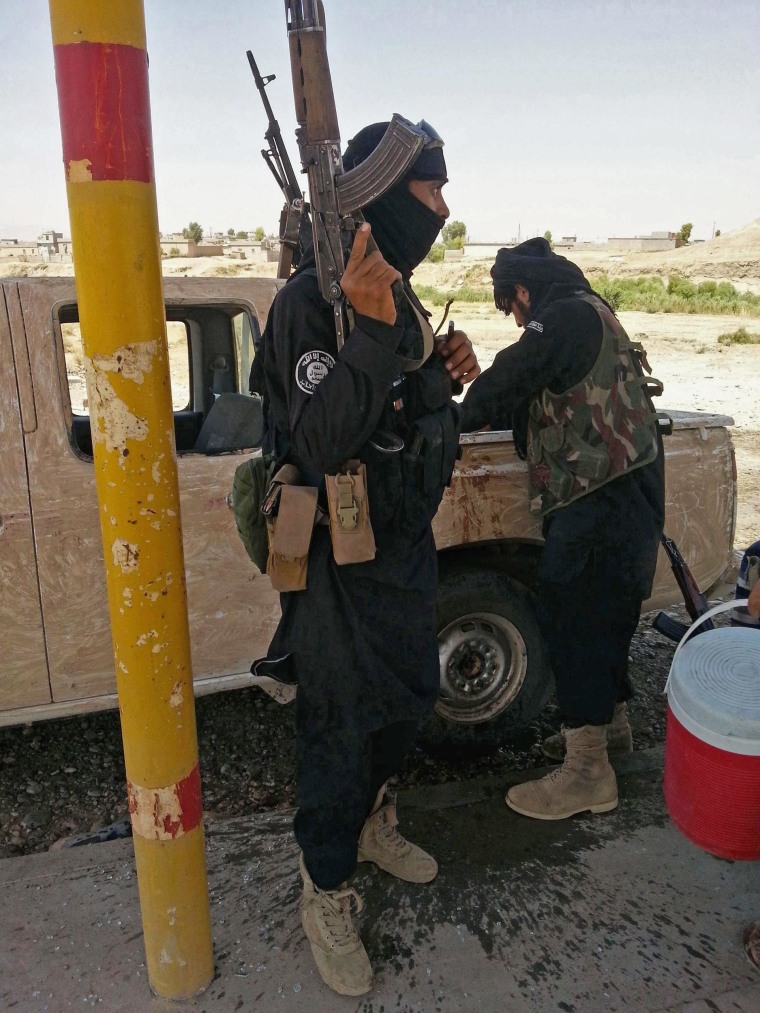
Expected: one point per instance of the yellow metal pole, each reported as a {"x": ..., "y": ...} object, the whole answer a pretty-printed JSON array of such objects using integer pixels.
[{"x": 102, "y": 77}]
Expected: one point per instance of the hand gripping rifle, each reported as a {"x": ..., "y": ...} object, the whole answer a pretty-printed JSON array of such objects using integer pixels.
[
  {"x": 695, "y": 601},
  {"x": 335, "y": 196},
  {"x": 295, "y": 213}
]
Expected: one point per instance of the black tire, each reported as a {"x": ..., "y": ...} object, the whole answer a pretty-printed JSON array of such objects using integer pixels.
[{"x": 495, "y": 674}]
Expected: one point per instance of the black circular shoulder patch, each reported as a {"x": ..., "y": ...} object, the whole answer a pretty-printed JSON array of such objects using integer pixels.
[{"x": 312, "y": 368}]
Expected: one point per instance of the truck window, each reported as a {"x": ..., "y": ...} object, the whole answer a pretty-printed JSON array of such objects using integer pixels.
[
  {"x": 244, "y": 349},
  {"x": 179, "y": 365},
  {"x": 211, "y": 349}
]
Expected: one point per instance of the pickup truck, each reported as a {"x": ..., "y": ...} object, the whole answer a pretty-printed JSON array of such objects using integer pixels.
[{"x": 54, "y": 623}]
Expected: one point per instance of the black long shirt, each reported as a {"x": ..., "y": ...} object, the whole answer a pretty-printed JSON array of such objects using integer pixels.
[{"x": 361, "y": 638}]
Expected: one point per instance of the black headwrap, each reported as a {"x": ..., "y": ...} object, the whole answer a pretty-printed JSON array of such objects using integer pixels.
[
  {"x": 403, "y": 227},
  {"x": 537, "y": 267}
]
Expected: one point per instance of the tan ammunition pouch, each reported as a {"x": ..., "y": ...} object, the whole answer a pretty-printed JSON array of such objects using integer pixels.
[
  {"x": 291, "y": 511},
  {"x": 350, "y": 530}
]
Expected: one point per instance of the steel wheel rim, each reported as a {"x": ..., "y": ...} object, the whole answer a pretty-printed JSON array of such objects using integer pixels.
[{"x": 483, "y": 664}]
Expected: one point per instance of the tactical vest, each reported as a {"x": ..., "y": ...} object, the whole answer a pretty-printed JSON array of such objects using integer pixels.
[{"x": 603, "y": 427}]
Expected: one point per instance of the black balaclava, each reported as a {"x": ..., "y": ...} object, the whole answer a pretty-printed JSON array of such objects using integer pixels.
[
  {"x": 534, "y": 265},
  {"x": 403, "y": 227}
]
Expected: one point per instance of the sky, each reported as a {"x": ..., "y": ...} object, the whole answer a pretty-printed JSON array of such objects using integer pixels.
[{"x": 593, "y": 118}]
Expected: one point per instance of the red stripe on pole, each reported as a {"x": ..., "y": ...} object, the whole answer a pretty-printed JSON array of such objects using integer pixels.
[
  {"x": 166, "y": 812},
  {"x": 105, "y": 111},
  {"x": 189, "y": 795}
]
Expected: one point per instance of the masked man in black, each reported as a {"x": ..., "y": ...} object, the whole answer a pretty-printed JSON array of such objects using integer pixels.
[
  {"x": 573, "y": 390},
  {"x": 360, "y": 640}
]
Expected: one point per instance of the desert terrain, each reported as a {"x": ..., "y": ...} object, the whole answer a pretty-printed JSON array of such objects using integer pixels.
[{"x": 683, "y": 349}]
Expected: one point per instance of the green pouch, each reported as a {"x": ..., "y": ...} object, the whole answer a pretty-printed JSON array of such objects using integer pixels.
[{"x": 249, "y": 487}]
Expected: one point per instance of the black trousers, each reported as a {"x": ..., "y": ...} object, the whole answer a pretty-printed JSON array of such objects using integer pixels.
[
  {"x": 338, "y": 778},
  {"x": 588, "y": 626}
]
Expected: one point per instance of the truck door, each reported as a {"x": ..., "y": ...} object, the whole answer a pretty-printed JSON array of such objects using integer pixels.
[
  {"x": 23, "y": 669},
  {"x": 232, "y": 608}
]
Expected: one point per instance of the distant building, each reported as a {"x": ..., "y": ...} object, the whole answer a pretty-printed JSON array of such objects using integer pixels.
[
  {"x": 53, "y": 247},
  {"x": 50, "y": 246},
  {"x": 249, "y": 249},
  {"x": 484, "y": 251},
  {"x": 178, "y": 247},
  {"x": 18, "y": 249},
  {"x": 50, "y": 241},
  {"x": 655, "y": 242}
]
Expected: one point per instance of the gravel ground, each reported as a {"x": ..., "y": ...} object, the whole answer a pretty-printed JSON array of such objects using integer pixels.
[{"x": 61, "y": 779}]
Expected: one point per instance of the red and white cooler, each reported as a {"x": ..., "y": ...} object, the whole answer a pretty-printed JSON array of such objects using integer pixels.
[{"x": 712, "y": 741}]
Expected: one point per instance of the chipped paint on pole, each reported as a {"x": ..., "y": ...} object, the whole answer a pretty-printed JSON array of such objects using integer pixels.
[{"x": 102, "y": 77}]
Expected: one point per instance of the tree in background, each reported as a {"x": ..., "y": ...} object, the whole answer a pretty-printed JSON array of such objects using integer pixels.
[
  {"x": 454, "y": 235},
  {"x": 684, "y": 233},
  {"x": 241, "y": 235},
  {"x": 231, "y": 233},
  {"x": 194, "y": 232},
  {"x": 258, "y": 235},
  {"x": 717, "y": 233},
  {"x": 548, "y": 238}
]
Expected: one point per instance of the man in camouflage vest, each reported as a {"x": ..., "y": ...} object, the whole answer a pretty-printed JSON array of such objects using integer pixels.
[{"x": 574, "y": 391}]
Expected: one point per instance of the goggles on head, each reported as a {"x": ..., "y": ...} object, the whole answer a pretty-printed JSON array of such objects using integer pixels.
[
  {"x": 430, "y": 163},
  {"x": 436, "y": 141}
]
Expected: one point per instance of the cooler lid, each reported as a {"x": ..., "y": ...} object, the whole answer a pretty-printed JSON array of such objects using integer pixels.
[{"x": 715, "y": 681}]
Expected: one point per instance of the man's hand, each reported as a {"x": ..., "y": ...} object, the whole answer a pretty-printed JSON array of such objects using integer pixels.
[
  {"x": 461, "y": 361},
  {"x": 367, "y": 280}
]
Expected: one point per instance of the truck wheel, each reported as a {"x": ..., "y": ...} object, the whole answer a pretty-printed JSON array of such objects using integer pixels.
[{"x": 495, "y": 675}]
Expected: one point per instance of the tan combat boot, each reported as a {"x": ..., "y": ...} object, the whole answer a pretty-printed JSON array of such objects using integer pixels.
[
  {"x": 335, "y": 944},
  {"x": 381, "y": 843},
  {"x": 584, "y": 781},
  {"x": 619, "y": 737}
]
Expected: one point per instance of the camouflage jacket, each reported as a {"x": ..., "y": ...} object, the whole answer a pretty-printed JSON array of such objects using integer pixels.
[{"x": 600, "y": 428}]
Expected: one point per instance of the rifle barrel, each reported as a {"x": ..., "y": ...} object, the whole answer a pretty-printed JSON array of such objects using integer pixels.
[
  {"x": 261, "y": 84},
  {"x": 276, "y": 157}
]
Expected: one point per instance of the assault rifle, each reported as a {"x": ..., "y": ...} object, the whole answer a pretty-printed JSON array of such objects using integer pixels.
[
  {"x": 335, "y": 196},
  {"x": 695, "y": 601},
  {"x": 294, "y": 217}
]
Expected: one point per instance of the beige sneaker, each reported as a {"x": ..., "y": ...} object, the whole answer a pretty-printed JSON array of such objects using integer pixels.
[
  {"x": 585, "y": 781},
  {"x": 619, "y": 737},
  {"x": 381, "y": 843},
  {"x": 335, "y": 944}
]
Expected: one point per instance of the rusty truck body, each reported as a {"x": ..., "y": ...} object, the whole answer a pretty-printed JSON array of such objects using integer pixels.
[{"x": 55, "y": 644}]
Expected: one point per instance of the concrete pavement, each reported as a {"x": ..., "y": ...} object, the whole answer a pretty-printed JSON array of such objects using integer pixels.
[{"x": 596, "y": 913}]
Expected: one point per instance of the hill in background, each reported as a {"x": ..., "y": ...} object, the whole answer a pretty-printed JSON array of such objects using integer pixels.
[{"x": 733, "y": 257}]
